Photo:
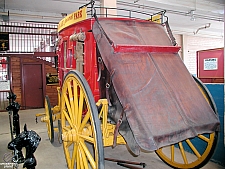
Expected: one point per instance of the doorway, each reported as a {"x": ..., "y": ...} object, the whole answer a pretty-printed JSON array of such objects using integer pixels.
[{"x": 32, "y": 80}]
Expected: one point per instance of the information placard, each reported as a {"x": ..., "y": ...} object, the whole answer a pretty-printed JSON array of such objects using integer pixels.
[
  {"x": 5, "y": 85},
  {"x": 52, "y": 79},
  {"x": 210, "y": 64}
]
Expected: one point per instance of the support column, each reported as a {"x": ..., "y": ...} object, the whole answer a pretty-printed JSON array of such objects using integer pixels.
[
  {"x": 108, "y": 4},
  {"x": 184, "y": 55}
]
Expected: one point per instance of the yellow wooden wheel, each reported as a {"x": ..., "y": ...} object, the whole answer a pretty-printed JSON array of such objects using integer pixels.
[
  {"x": 81, "y": 132},
  {"x": 181, "y": 154},
  {"x": 48, "y": 119}
]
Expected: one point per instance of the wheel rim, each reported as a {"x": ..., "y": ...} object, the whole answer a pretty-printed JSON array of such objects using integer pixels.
[
  {"x": 81, "y": 134},
  {"x": 179, "y": 158},
  {"x": 49, "y": 121}
]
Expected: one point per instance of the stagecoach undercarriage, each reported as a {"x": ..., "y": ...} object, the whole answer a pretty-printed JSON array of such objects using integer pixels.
[{"x": 116, "y": 114}]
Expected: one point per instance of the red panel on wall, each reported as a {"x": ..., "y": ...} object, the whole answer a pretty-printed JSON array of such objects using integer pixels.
[{"x": 210, "y": 65}]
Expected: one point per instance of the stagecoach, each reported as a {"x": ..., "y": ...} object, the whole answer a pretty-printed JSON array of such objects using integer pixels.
[{"x": 122, "y": 81}]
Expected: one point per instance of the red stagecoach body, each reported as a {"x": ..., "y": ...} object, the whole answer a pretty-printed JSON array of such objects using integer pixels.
[
  {"x": 172, "y": 107},
  {"x": 67, "y": 58}
]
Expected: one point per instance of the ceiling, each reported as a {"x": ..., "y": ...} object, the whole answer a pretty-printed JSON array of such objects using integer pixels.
[{"x": 192, "y": 17}]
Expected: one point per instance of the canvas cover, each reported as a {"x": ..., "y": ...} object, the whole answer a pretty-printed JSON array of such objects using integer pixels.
[{"x": 161, "y": 101}]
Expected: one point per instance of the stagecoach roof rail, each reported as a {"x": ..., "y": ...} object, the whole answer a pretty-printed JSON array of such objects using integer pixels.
[
  {"x": 92, "y": 2},
  {"x": 92, "y": 9},
  {"x": 163, "y": 18}
]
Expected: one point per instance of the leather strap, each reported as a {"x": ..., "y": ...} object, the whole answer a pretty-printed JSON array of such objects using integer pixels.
[
  {"x": 173, "y": 40},
  {"x": 107, "y": 85},
  {"x": 116, "y": 131},
  {"x": 100, "y": 68}
]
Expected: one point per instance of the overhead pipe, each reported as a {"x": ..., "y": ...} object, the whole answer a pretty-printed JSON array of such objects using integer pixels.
[
  {"x": 28, "y": 15},
  {"x": 136, "y": 5},
  {"x": 204, "y": 27}
]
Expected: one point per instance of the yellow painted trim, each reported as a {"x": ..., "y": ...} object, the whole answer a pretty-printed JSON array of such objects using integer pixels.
[
  {"x": 156, "y": 18},
  {"x": 107, "y": 128},
  {"x": 72, "y": 18}
]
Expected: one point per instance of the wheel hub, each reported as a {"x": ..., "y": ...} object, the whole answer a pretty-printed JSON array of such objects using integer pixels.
[{"x": 71, "y": 135}]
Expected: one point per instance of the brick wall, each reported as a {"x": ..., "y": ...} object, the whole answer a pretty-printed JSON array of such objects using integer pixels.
[
  {"x": 15, "y": 69},
  {"x": 16, "y": 73}
]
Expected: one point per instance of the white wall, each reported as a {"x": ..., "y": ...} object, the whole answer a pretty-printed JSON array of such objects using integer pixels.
[{"x": 191, "y": 44}]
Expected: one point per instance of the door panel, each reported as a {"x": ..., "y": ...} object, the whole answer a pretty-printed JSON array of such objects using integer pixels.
[{"x": 33, "y": 85}]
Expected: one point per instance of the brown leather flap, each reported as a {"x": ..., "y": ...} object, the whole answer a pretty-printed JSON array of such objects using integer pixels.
[{"x": 162, "y": 102}]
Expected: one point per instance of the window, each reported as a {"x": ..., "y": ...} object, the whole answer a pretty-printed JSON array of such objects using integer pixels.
[
  {"x": 3, "y": 68},
  {"x": 64, "y": 52}
]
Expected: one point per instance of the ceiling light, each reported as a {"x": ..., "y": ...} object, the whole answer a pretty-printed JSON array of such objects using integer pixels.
[
  {"x": 192, "y": 14},
  {"x": 192, "y": 18}
]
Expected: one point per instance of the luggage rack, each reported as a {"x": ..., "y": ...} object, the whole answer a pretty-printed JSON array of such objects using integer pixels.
[{"x": 158, "y": 17}]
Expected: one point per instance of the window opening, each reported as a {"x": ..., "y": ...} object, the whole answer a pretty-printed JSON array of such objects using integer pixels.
[
  {"x": 4, "y": 82},
  {"x": 64, "y": 52},
  {"x": 3, "y": 68},
  {"x": 70, "y": 64}
]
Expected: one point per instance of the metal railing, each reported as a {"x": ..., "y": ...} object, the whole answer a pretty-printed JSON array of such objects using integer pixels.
[
  {"x": 30, "y": 37},
  {"x": 125, "y": 13}
]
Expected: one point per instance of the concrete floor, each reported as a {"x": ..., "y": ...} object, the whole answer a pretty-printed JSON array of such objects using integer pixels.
[{"x": 51, "y": 156}]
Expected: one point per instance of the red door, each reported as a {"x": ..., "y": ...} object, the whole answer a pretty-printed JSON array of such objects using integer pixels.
[{"x": 33, "y": 86}]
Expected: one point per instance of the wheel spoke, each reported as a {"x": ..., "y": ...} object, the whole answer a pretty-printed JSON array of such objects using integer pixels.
[
  {"x": 183, "y": 152},
  {"x": 193, "y": 148},
  {"x": 71, "y": 101},
  {"x": 88, "y": 155},
  {"x": 66, "y": 128},
  {"x": 67, "y": 154},
  {"x": 203, "y": 138},
  {"x": 68, "y": 144},
  {"x": 80, "y": 110},
  {"x": 74, "y": 154},
  {"x": 69, "y": 163},
  {"x": 84, "y": 121},
  {"x": 75, "y": 94},
  {"x": 84, "y": 158},
  {"x": 81, "y": 156},
  {"x": 67, "y": 103},
  {"x": 86, "y": 138},
  {"x": 172, "y": 153},
  {"x": 68, "y": 118},
  {"x": 78, "y": 161}
]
